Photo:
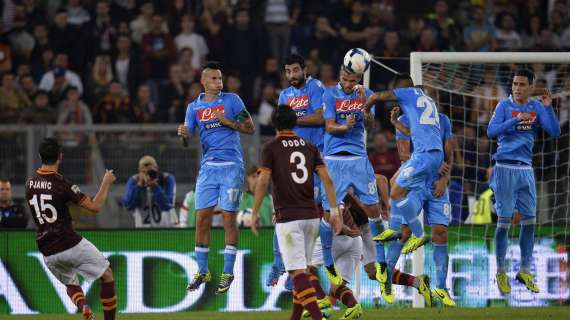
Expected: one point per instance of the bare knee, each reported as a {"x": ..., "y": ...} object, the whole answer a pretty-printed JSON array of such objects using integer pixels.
[
  {"x": 439, "y": 234},
  {"x": 406, "y": 233},
  {"x": 107, "y": 275},
  {"x": 398, "y": 192}
]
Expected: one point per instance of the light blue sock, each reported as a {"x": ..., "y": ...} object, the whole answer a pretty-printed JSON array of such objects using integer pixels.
[
  {"x": 526, "y": 242},
  {"x": 409, "y": 208},
  {"x": 277, "y": 259},
  {"x": 326, "y": 234},
  {"x": 502, "y": 242},
  {"x": 376, "y": 227},
  {"x": 229, "y": 258},
  {"x": 441, "y": 260},
  {"x": 394, "y": 250},
  {"x": 395, "y": 217},
  {"x": 202, "y": 257}
]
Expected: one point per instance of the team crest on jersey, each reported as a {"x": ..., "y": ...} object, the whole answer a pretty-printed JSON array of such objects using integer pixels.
[
  {"x": 299, "y": 105},
  {"x": 525, "y": 125},
  {"x": 207, "y": 115},
  {"x": 75, "y": 189}
]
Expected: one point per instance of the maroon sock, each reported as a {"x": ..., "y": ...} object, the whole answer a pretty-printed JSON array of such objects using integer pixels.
[
  {"x": 307, "y": 295},
  {"x": 76, "y": 295},
  {"x": 403, "y": 279},
  {"x": 317, "y": 285},
  {"x": 297, "y": 308},
  {"x": 108, "y": 299},
  {"x": 344, "y": 294}
]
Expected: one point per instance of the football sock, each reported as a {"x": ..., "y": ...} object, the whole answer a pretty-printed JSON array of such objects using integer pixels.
[
  {"x": 307, "y": 295},
  {"x": 326, "y": 234},
  {"x": 376, "y": 227},
  {"x": 404, "y": 279},
  {"x": 317, "y": 285},
  {"x": 345, "y": 295},
  {"x": 297, "y": 308},
  {"x": 441, "y": 260},
  {"x": 394, "y": 250},
  {"x": 501, "y": 242},
  {"x": 202, "y": 257},
  {"x": 76, "y": 295},
  {"x": 526, "y": 242},
  {"x": 229, "y": 258},
  {"x": 277, "y": 259},
  {"x": 108, "y": 300}
]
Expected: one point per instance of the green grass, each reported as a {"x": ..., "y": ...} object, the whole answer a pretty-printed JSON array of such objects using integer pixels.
[{"x": 550, "y": 313}]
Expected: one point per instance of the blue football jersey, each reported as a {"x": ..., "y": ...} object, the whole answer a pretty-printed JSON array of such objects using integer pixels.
[
  {"x": 305, "y": 101},
  {"x": 515, "y": 139},
  {"x": 219, "y": 143},
  {"x": 445, "y": 129},
  {"x": 338, "y": 105},
  {"x": 423, "y": 118}
]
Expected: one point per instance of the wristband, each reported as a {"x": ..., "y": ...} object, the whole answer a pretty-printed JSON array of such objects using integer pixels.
[{"x": 334, "y": 211}]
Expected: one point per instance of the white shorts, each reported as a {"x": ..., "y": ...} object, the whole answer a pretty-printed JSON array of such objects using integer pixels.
[
  {"x": 84, "y": 259},
  {"x": 317, "y": 259},
  {"x": 368, "y": 245},
  {"x": 346, "y": 253},
  {"x": 297, "y": 242}
]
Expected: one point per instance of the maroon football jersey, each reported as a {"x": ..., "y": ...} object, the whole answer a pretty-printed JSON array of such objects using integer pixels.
[
  {"x": 48, "y": 194},
  {"x": 292, "y": 161}
]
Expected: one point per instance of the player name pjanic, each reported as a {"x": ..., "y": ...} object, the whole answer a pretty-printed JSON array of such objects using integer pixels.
[{"x": 40, "y": 185}]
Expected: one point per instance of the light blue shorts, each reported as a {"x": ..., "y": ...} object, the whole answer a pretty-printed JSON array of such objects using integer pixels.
[
  {"x": 514, "y": 188},
  {"x": 219, "y": 183},
  {"x": 419, "y": 171}
]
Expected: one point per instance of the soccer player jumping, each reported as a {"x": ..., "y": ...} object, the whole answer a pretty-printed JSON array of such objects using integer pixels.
[
  {"x": 514, "y": 124},
  {"x": 219, "y": 117}
]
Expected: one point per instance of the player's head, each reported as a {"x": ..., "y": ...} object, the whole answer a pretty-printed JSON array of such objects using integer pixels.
[
  {"x": 522, "y": 84},
  {"x": 295, "y": 70},
  {"x": 5, "y": 190},
  {"x": 284, "y": 118},
  {"x": 50, "y": 151},
  {"x": 403, "y": 80},
  {"x": 348, "y": 80},
  {"x": 211, "y": 78}
]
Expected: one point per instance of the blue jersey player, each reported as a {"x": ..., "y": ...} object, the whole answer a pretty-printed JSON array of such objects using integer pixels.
[
  {"x": 219, "y": 117},
  {"x": 412, "y": 188},
  {"x": 438, "y": 219},
  {"x": 514, "y": 124}
]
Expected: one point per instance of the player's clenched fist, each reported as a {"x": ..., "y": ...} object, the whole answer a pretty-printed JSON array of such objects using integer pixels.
[
  {"x": 350, "y": 121},
  {"x": 182, "y": 131},
  {"x": 109, "y": 177}
]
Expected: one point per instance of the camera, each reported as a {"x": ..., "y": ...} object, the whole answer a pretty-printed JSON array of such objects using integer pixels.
[{"x": 152, "y": 174}]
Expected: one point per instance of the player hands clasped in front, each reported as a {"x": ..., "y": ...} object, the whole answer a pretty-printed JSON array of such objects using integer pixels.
[
  {"x": 413, "y": 186},
  {"x": 514, "y": 124},
  {"x": 219, "y": 118},
  {"x": 289, "y": 162},
  {"x": 65, "y": 252}
]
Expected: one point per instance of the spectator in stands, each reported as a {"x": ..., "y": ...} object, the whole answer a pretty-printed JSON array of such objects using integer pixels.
[
  {"x": 280, "y": 16},
  {"x": 479, "y": 35},
  {"x": 158, "y": 50},
  {"x": 102, "y": 31},
  {"x": 384, "y": 160},
  {"x": 327, "y": 75},
  {"x": 142, "y": 24},
  {"x": 427, "y": 41},
  {"x": 63, "y": 37},
  {"x": 270, "y": 74},
  {"x": 77, "y": 15},
  {"x": 214, "y": 19},
  {"x": 101, "y": 77},
  {"x": 144, "y": 109},
  {"x": 483, "y": 102},
  {"x": 176, "y": 10},
  {"x": 188, "y": 38},
  {"x": 446, "y": 31},
  {"x": 189, "y": 73},
  {"x": 115, "y": 107},
  {"x": 150, "y": 195},
  {"x": 508, "y": 39},
  {"x": 11, "y": 213},
  {"x": 41, "y": 42},
  {"x": 21, "y": 41},
  {"x": 12, "y": 100},
  {"x": 28, "y": 87},
  {"x": 265, "y": 109},
  {"x": 5, "y": 58},
  {"x": 233, "y": 84},
  {"x": 548, "y": 41},
  {"x": 60, "y": 64},
  {"x": 126, "y": 65},
  {"x": 173, "y": 95},
  {"x": 353, "y": 29},
  {"x": 531, "y": 35},
  {"x": 59, "y": 87},
  {"x": 41, "y": 112},
  {"x": 391, "y": 45},
  {"x": 73, "y": 111},
  {"x": 411, "y": 35},
  {"x": 325, "y": 39},
  {"x": 246, "y": 203},
  {"x": 42, "y": 66}
]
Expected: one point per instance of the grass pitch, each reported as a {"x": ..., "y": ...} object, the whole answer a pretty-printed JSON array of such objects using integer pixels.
[{"x": 546, "y": 313}]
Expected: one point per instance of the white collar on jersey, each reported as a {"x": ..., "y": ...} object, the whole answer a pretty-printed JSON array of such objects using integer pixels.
[{"x": 202, "y": 94}]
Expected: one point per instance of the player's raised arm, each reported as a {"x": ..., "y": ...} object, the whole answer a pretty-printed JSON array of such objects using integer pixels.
[
  {"x": 98, "y": 201},
  {"x": 260, "y": 192},
  {"x": 547, "y": 117},
  {"x": 331, "y": 126},
  {"x": 316, "y": 104}
]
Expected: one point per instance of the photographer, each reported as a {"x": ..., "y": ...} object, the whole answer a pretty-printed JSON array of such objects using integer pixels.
[{"x": 151, "y": 194}]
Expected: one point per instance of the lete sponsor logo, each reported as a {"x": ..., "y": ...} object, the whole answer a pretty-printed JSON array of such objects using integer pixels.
[
  {"x": 301, "y": 102},
  {"x": 353, "y": 105},
  {"x": 207, "y": 114},
  {"x": 525, "y": 125}
]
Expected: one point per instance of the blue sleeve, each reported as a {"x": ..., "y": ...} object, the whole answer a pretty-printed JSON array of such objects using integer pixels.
[
  {"x": 399, "y": 134},
  {"x": 131, "y": 198},
  {"x": 403, "y": 95},
  {"x": 446, "y": 128},
  {"x": 548, "y": 120},
  {"x": 281, "y": 98},
  {"x": 165, "y": 197},
  {"x": 329, "y": 106},
  {"x": 498, "y": 124},
  {"x": 189, "y": 119},
  {"x": 237, "y": 105},
  {"x": 368, "y": 94},
  {"x": 316, "y": 95}
]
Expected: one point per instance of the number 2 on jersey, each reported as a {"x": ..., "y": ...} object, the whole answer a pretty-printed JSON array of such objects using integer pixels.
[
  {"x": 302, "y": 165},
  {"x": 429, "y": 116},
  {"x": 41, "y": 207}
]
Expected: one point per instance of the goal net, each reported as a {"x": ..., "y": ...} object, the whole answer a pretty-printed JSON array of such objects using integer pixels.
[{"x": 467, "y": 87}]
